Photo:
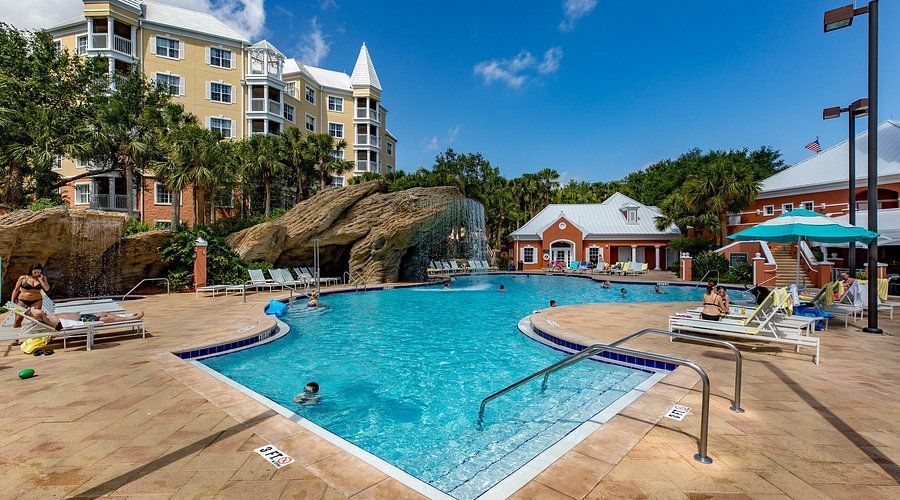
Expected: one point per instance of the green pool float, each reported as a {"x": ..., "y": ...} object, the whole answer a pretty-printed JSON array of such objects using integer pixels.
[{"x": 26, "y": 373}]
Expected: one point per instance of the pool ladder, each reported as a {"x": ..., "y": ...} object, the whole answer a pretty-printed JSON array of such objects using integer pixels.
[
  {"x": 613, "y": 347},
  {"x": 356, "y": 279}
]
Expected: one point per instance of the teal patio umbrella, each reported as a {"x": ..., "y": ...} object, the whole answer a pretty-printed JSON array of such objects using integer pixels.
[{"x": 800, "y": 224}]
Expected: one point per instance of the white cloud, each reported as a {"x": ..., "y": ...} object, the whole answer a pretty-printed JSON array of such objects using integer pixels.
[
  {"x": 315, "y": 46},
  {"x": 327, "y": 4},
  {"x": 573, "y": 10},
  {"x": 516, "y": 71},
  {"x": 245, "y": 16},
  {"x": 550, "y": 62},
  {"x": 433, "y": 143}
]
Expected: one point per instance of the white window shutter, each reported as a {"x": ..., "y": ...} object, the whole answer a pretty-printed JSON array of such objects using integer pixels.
[
  {"x": 153, "y": 43},
  {"x": 153, "y": 77},
  {"x": 181, "y": 86},
  {"x": 231, "y": 60},
  {"x": 208, "y": 91},
  {"x": 208, "y": 122},
  {"x": 207, "y": 54},
  {"x": 181, "y": 49}
]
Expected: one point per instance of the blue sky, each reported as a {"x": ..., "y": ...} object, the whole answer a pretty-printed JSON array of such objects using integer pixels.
[{"x": 595, "y": 89}]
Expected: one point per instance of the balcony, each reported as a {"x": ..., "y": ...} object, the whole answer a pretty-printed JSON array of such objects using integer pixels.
[
  {"x": 257, "y": 104},
  {"x": 368, "y": 140},
  {"x": 368, "y": 166},
  {"x": 109, "y": 202},
  {"x": 275, "y": 107},
  {"x": 367, "y": 113},
  {"x": 122, "y": 45}
]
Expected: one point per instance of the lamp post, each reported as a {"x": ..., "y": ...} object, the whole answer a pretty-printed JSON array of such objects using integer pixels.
[
  {"x": 859, "y": 108},
  {"x": 841, "y": 18}
]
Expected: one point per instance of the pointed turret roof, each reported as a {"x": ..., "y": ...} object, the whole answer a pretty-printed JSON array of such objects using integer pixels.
[{"x": 364, "y": 74}]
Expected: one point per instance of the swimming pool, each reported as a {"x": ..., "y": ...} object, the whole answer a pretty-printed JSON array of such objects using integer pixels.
[{"x": 403, "y": 371}]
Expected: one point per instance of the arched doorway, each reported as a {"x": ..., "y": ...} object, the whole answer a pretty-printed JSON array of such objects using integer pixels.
[
  {"x": 562, "y": 251},
  {"x": 887, "y": 198}
]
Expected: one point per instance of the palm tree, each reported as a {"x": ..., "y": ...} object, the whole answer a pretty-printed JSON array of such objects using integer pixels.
[
  {"x": 260, "y": 156},
  {"x": 172, "y": 168},
  {"x": 722, "y": 186},
  {"x": 320, "y": 150},
  {"x": 296, "y": 157}
]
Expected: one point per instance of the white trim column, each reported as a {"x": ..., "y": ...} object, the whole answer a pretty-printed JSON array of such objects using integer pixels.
[
  {"x": 656, "y": 248},
  {"x": 109, "y": 32},
  {"x": 633, "y": 253}
]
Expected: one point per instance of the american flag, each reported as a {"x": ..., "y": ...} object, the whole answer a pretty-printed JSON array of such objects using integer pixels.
[{"x": 814, "y": 146}]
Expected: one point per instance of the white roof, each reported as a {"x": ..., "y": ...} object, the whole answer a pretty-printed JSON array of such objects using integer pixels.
[
  {"x": 599, "y": 220},
  {"x": 178, "y": 17},
  {"x": 265, "y": 44},
  {"x": 364, "y": 74},
  {"x": 830, "y": 166},
  {"x": 324, "y": 77}
]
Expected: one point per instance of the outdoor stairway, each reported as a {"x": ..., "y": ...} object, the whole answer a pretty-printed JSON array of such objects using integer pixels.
[{"x": 786, "y": 273}]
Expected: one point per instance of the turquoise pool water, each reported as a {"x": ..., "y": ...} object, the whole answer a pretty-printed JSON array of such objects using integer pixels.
[{"x": 402, "y": 373}]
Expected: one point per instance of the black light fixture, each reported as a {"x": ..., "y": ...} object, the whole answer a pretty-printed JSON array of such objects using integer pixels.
[
  {"x": 841, "y": 18},
  {"x": 858, "y": 108}
]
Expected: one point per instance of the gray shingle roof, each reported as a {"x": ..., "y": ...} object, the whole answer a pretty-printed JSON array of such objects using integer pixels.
[{"x": 599, "y": 220}]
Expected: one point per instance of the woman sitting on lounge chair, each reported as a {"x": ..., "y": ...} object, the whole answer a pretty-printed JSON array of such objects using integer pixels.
[
  {"x": 712, "y": 304},
  {"x": 68, "y": 320},
  {"x": 27, "y": 291}
]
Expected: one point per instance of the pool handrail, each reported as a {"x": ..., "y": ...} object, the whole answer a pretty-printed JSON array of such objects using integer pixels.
[{"x": 168, "y": 286}]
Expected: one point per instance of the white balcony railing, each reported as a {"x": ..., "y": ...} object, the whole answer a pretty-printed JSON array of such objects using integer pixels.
[
  {"x": 98, "y": 41},
  {"x": 121, "y": 44},
  {"x": 367, "y": 113},
  {"x": 109, "y": 202},
  {"x": 368, "y": 140},
  {"x": 368, "y": 165},
  {"x": 275, "y": 107}
]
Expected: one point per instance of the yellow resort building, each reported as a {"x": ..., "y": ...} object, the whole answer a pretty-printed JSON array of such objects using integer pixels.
[{"x": 233, "y": 86}]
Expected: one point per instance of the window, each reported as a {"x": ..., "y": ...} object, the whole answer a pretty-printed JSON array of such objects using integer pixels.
[
  {"x": 390, "y": 148},
  {"x": 82, "y": 193},
  {"x": 57, "y": 163},
  {"x": 594, "y": 254},
  {"x": 222, "y": 126},
  {"x": 809, "y": 205},
  {"x": 769, "y": 210},
  {"x": 167, "y": 47},
  {"x": 310, "y": 95},
  {"x": 631, "y": 215},
  {"x": 288, "y": 112},
  {"x": 290, "y": 89},
  {"x": 335, "y": 103},
  {"x": 162, "y": 196},
  {"x": 82, "y": 163},
  {"x": 224, "y": 198},
  {"x": 81, "y": 45},
  {"x": 310, "y": 123},
  {"x": 335, "y": 181},
  {"x": 787, "y": 207},
  {"x": 220, "y": 57},
  {"x": 336, "y": 130},
  {"x": 162, "y": 224},
  {"x": 338, "y": 153},
  {"x": 528, "y": 255},
  {"x": 57, "y": 45},
  {"x": 220, "y": 92},
  {"x": 169, "y": 83}
]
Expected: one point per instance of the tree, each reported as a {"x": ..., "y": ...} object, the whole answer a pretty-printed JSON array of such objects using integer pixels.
[
  {"x": 173, "y": 166},
  {"x": 320, "y": 150},
  {"x": 121, "y": 135},
  {"x": 46, "y": 97},
  {"x": 721, "y": 187},
  {"x": 260, "y": 157},
  {"x": 297, "y": 158}
]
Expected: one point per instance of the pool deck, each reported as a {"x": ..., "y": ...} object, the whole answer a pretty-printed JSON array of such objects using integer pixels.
[{"x": 130, "y": 419}]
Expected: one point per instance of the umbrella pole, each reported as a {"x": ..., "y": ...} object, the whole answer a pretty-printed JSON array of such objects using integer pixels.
[{"x": 798, "y": 263}]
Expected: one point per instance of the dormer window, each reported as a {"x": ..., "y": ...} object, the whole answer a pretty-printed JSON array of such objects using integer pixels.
[{"x": 631, "y": 215}]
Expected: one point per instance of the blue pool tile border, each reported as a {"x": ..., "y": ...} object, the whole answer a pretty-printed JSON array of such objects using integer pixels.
[{"x": 648, "y": 365}]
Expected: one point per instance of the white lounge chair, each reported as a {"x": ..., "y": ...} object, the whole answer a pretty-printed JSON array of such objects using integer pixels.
[
  {"x": 759, "y": 326},
  {"x": 285, "y": 278},
  {"x": 211, "y": 289},
  {"x": 258, "y": 280},
  {"x": 488, "y": 267},
  {"x": 621, "y": 268},
  {"x": 87, "y": 329},
  {"x": 637, "y": 268},
  {"x": 454, "y": 267}
]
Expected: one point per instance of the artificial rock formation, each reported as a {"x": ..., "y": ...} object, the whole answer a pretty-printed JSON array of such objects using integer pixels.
[
  {"x": 360, "y": 228},
  {"x": 84, "y": 252}
]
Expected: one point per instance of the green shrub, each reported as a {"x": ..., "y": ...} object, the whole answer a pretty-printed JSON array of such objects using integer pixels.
[
  {"x": 741, "y": 274},
  {"x": 223, "y": 266},
  {"x": 693, "y": 246},
  {"x": 708, "y": 262},
  {"x": 135, "y": 226},
  {"x": 42, "y": 203}
]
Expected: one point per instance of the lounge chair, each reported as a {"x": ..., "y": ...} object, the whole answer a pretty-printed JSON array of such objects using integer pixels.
[
  {"x": 87, "y": 330},
  {"x": 637, "y": 268},
  {"x": 211, "y": 289},
  {"x": 602, "y": 268},
  {"x": 621, "y": 268},
  {"x": 488, "y": 267},
  {"x": 258, "y": 280},
  {"x": 79, "y": 306},
  {"x": 323, "y": 279},
  {"x": 284, "y": 278},
  {"x": 759, "y": 326},
  {"x": 454, "y": 267},
  {"x": 824, "y": 301}
]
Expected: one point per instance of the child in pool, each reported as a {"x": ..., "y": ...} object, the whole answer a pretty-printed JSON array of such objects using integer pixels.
[
  {"x": 606, "y": 284},
  {"x": 313, "y": 300},
  {"x": 623, "y": 292},
  {"x": 658, "y": 289},
  {"x": 310, "y": 396},
  {"x": 502, "y": 288}
]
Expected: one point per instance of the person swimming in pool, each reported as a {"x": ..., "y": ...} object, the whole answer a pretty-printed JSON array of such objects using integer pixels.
[
  {"x": 447, "y": 285},
  {"x": 606, "y": 284},
  {"x": 313, "y": 300},
  {"x": 623, "y": 292},
  {"x": 502, "y": 288},
  {"x": 310, "y": 395},
  {"x": 552, "y": 303},
  {"x": 658, "y": 289}
]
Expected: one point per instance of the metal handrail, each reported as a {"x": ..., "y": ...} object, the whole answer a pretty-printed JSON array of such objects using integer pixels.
[
  {"x": 355, "y": 278},
  {"x": 701, "y": 456},
  {"x": 168, "y": 285},
  {"x": 718, "y": 277},
  {"x": 738, "y": 358}
]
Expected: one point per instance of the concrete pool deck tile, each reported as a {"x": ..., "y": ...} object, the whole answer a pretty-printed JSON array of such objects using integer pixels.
[
  {"x": 538, "y": 491},
  {"x": 574, "y": 474},
  {"x": 307, "y": 448},
  {"x": 304, "y": 489},
  {"x": 388, "y": 488},
  {"x": 346, "y": 473},
  {"x": 252, "y": 489}
]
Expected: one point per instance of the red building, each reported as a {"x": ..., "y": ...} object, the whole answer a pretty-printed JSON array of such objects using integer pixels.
[{"x": 618, "y": 230}]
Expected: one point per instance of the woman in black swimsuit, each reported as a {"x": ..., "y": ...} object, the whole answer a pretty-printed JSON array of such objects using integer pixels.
[{"x": 27, "y": 292}]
